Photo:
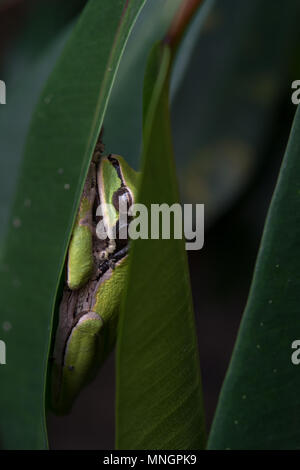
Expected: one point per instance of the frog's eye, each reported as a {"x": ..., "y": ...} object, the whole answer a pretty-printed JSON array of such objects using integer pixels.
[{"x": 122, "y": 197}]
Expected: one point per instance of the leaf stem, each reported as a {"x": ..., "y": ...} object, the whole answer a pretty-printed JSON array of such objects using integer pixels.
[{"x": 180, "y": 23}]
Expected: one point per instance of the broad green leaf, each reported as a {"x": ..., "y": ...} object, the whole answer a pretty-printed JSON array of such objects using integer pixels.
[
  {"x": 25, "y": 70},
  {"x": 159, "y": 398},
  {"x": 259, "y": 407},
  {"x": 25, "y": 79},
  {"x": 63, "y": 133}
]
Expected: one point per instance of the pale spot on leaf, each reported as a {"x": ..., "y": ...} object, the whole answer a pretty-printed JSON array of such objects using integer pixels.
[
  {"x": 6, "y": 325},
  {"x": 48, "y": 98},
  {"x": 27, "y": 202},
  {"x": 17, "y": 222}
]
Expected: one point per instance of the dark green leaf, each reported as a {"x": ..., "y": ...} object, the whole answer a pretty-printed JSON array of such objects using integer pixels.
[
  {"x": 159, "y": 399},
  {"x": 59, "y": 147},
  {"x": 259, "y": 407}
]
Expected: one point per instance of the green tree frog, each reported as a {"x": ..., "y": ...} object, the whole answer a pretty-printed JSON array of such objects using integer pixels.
[{"x": 96, "y": 273}]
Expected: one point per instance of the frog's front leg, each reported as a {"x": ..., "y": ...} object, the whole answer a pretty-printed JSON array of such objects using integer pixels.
[{"x": 80, "y": 263}]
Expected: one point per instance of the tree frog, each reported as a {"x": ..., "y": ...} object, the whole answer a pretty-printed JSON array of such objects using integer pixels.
[{"x": 96, "y": 273}]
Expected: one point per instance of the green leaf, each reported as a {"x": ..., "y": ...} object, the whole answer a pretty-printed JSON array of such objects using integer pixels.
[
  {"x": 260, "y": 404},
  {"x": 25, "y": 70},
  {"x": 59, "y": 147},
  {"x": 159, "y": 399},
  {"x": 24, "y": 80}
]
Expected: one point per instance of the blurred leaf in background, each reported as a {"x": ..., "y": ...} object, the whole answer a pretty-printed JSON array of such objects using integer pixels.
[
  {"x": 123, "y": 121},
  {"x": 224, "y": 111},
  {"x": 226, "y": 87}
]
